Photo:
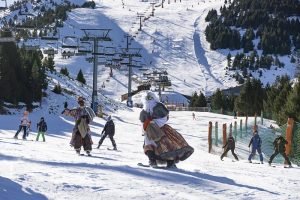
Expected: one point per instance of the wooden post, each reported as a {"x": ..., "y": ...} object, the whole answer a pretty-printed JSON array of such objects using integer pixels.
[
  {"x": 241, "y": 128},
  {"x": 235, "y": 130},
  {"x": 230, "y": 129},
  {"x": 209, "y": 136},
  {"x": 216, "y": 133},
  {"x": 246, "y": 123},
  {"x": 289, "y": 135},
  {"x": 255, "y": 118},
  {"x": 262, "y": 117},
  {"x": 224, "y": 136}
]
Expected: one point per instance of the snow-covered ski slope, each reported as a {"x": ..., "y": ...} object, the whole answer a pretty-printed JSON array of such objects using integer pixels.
[
  {"x": 172, "y": 39},
  {"x": 52, "y": 170}
]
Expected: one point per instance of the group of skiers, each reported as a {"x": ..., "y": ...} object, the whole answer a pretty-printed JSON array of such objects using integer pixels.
[
  {"x": 162, "y": 143},
  {"x": 26, "y": 124},
  {"x": 256, "y": 142}
]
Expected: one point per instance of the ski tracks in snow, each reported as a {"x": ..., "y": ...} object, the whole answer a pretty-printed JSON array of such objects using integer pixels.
[{"x": 200, "y": 54}]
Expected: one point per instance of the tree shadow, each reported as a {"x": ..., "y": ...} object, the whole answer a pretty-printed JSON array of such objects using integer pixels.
[
  {"x": 174, "y": 176},
  {"x": 10, "y": 190}
]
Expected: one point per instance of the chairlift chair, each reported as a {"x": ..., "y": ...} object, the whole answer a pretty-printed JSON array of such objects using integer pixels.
[
  {"x": 65, "y": 43},
  {"x": 84, "y": 49}
]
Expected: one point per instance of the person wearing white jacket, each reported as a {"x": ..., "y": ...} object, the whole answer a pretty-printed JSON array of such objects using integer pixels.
[{"x": 24, "y": 124}]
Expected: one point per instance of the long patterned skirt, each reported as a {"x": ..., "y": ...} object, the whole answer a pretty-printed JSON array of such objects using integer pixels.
[{"x": 172, "y": 146}]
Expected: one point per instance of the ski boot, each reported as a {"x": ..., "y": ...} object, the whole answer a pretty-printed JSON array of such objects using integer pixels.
[
  {"x": 153, "y": 163},
  {"x": 78, "y": 152},
  {"x": 88, "y": 153},
  {"x": 171, "y": 164}
]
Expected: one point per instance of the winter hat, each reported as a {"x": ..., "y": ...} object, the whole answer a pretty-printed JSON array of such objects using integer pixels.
[{"x": 109, "y": 118}]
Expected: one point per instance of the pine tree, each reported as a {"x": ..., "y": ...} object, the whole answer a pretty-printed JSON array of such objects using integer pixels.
[
  {"x": 244, "y": 102},
  {"x": 64, "y": 71},
  {"x": 201, "y": 101},
  {"x": 217, "y": 100},
  {"x": 292, "y": 105},
  {"x": 80, "y": 77},
  {"x": 229, "y": 60},
  {"x": 57, "y": 89},
  {"x": 276, "y": 97},
  {"x": 193, "y": 100},
  {"x": 49, "y": 64}
]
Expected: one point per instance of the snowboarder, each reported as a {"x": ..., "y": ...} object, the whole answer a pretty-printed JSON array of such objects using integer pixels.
[
  {"x": 108, "y": 130},
  {"x": 42, "y": 128},
  {"x": 25, "y": 122},
  {"x": 161, "y": 141},
  {"x": 230, "y": 145},
  {"x": 279, "y": 147},
  {"x": 256, "y": 146},
  {"x": 81, "y": 137}
]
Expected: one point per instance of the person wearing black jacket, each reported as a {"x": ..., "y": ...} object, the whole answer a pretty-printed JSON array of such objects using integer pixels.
[
  {"x": 230, "y": 145},
  {"x": 108, "y": 130},
  {"x": 279, "y": 147},
  {"x": 42, "y": 128}
]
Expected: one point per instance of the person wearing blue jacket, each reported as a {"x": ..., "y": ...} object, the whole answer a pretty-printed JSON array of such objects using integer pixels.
[{"x": 256, "y": 146}]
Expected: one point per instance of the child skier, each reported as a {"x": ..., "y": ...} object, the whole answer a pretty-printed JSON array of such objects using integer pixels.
[
  {"x": 230, "y": 145},
  {"x": 279, "y": 147},
  {"x": 42, "y": 128},
  {"x": 109, "y": 129},
  {"x": 256, "y": 146}
]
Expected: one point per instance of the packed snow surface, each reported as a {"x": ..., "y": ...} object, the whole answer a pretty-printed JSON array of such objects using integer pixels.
[{"x": 52, "y": 170}]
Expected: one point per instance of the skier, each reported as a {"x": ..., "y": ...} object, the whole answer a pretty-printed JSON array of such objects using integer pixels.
[
  {"x": 161, "y": 142},
  {"x": 28, "y": 129},
  {"x": 234, "y": 115},
  {"x": 230, "y": 145},
  {"x": 25, "y": 122},
  {"x": 42, "y": 128},
  {"x": 81, "y": 137},
  {"x": 279, "y": 147},
  {"x": 194, "y": 117},
  {"x": 108, "y": 130},
  {"x": 256, "y": 146}
]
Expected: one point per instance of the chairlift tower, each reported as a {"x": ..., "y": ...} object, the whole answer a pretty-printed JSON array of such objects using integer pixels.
[
  {"x": 140, "y": 16},
  {"x": 152, "y": 12},
  {"x": 130, "y": 53},
  {"x": 100, "y": 35}
]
